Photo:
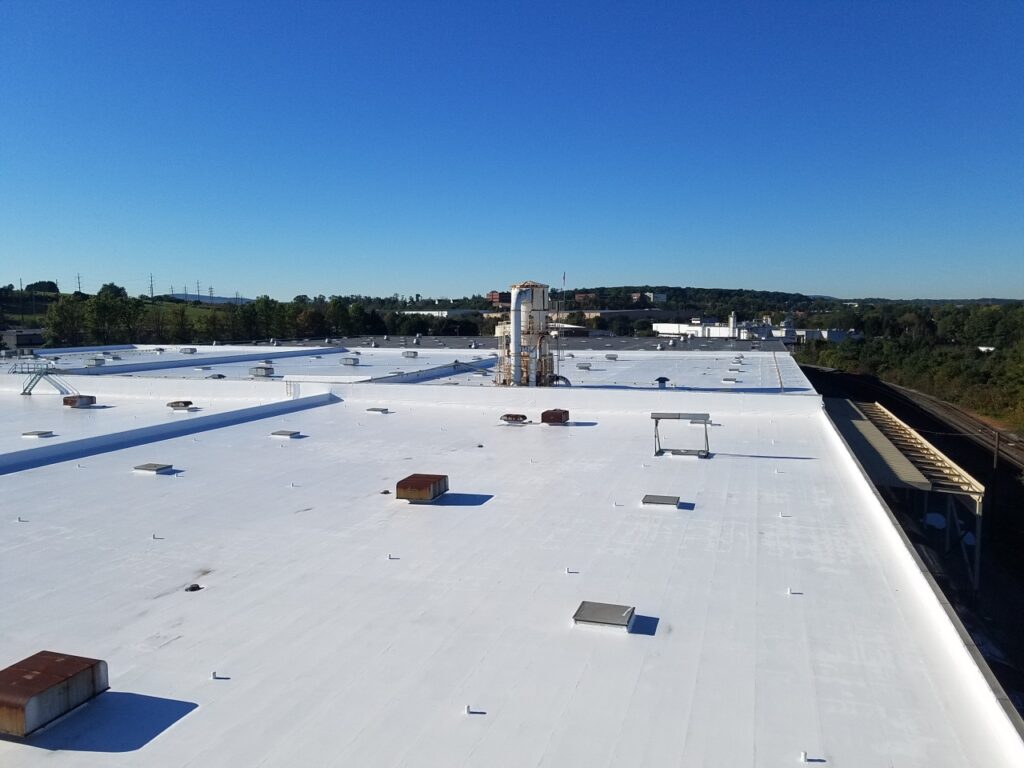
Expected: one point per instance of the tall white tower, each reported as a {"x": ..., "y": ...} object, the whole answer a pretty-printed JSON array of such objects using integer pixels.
[{"x": 525, "y": 358}]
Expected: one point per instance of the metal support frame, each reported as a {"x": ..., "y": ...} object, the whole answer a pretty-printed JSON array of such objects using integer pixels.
[{"x": 693, "y": 418}]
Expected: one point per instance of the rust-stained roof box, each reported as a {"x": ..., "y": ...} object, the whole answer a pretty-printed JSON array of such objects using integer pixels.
[
  {"x": 514, "y": 418},
  {"x": 43, "y": 687},
  {"x": 555, "y": 416},
  {"x": 79, "y": 401},
  {"x": 604, "y": 615},
  {"x": 422, "y": 488}
]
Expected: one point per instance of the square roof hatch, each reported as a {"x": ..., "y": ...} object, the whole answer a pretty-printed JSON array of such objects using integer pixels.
[
  {"x": 156, "y": 469},
  {"x": 653, "y": 498},
  {"x": 604, "y": 614},
  {"x": 287, "y": 433}
]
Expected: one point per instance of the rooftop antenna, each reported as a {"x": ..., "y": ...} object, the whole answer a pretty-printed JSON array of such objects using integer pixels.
[{"x": 79, "y": 276}]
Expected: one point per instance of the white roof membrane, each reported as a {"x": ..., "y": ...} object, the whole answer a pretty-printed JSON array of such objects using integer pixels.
[{"x": 777, "y": 611}]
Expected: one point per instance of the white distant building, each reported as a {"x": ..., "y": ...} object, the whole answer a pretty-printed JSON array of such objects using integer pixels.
[
  {"x": 786, "y": 331},
  {"x": 443, "y": 313}
]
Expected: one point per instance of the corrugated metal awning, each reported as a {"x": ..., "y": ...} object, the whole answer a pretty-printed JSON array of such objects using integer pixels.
[{"x": 882, "y": 460}]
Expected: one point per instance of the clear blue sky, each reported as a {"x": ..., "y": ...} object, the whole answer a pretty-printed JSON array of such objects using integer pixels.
[{"x": 847, "y": 148}]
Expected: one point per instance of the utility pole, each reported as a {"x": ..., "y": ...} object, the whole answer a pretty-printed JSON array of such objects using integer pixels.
[
  {"x": 79, "y": 276},
  {"x": 150, "y": 286},
  {"x": 197, "y": 290}
]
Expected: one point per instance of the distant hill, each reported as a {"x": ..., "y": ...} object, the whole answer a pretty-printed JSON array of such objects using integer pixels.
[{"x": 937, "y": 302}]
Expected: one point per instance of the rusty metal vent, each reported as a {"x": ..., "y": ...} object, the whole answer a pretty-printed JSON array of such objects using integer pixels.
[
  {"x": 156, "y": 469},
  {"x": 555, "y": 416},
  {"x": 653, "y": 498},
  {"x": 421, "y": 488},
  {"x": 604, "y": 614},
  {"x": 45, "y": 686},
  {"x": 79, "y": 401}
]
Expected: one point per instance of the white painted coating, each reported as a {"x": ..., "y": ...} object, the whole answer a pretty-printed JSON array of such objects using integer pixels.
[{"x": 348, "y": 628}]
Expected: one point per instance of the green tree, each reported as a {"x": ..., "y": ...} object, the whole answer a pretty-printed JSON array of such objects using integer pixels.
[
  {"x": 43, "y": 286},
  {"x": 310, "y": 322},
  {"x": 182, "y": 331},
  {"x": 156, "y": 325},
  {"x": 103, "y": 315},
  {"x": 212, "y": 328},
  {"x": 65, "y": 322},
  {"x": 132, "y": 313},
  {"x": 113, "y": 291}
]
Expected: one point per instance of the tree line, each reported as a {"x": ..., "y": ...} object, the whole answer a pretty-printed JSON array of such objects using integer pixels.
[
  {"x": 112, "y": 317},
  {"x": 971, "y": 355}
]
